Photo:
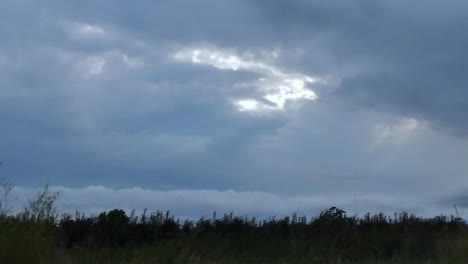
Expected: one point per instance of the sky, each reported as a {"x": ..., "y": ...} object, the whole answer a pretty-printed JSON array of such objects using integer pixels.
[{"x": 252, "y": 107}]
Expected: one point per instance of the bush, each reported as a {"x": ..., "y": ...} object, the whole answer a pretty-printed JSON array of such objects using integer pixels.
[{"x": 28, "y": 236}]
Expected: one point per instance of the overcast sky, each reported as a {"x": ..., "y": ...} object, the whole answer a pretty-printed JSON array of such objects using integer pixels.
[{"x": 258, "y": 107}]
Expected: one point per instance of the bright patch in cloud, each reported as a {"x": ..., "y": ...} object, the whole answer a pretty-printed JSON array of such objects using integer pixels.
[
  {"x": 252, "y": 105},
  {"x": 83, "y": 30},
  {"x": 277, "y": 86},
  {"x": 396, "y": 133},
  {"x": 91, "y": 66}
]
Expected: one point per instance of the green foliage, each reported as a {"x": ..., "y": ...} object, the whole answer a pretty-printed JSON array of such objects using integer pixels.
[
  {"x": 28, "y": 236},
  {"x": 41, "y": 208},
  {"x": 112, "y": 227},
  {"x": 331, "y": 237},
  {"x": 37, "y": 235}
]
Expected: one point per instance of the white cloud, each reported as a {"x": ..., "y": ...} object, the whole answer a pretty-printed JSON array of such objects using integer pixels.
[
  {"x": 248, "y": 105},
  {"x": 277, "y": 85},
  {"x": 196, "y": 203}
]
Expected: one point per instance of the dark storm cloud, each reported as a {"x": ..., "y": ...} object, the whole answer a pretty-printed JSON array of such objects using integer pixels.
[
  {"x": 93, "y": 93},
  {"x": 408, "y": 58},
  {"x": 222, "y": 22},
  {"x": 458, "y": 197},
  {"x": 90, "y": 125}
]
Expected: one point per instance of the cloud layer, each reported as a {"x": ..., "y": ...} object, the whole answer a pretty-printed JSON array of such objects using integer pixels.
[
  {"x": 326, "y": 100},
  {"x": 197, "y": 203}
]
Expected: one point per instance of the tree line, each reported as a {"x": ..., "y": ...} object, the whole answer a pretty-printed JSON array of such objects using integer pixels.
[{"x": 40, "y": 230}]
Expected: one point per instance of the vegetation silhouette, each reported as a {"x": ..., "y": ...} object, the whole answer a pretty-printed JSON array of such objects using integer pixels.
[{"x": 38, "y": 234}]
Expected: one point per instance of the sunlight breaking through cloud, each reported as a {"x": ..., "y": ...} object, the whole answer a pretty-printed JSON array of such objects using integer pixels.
[
  {"x": 277, "y": 86},
  {"x": 396, "y": 133}
]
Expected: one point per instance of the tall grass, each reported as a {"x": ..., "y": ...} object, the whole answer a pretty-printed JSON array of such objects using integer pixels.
[
  {"x": 27, "y": 237},
  {"x": 38, "y": 235}
]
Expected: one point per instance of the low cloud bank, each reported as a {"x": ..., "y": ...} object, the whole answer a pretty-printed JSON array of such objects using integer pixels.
[{"x": 197, "y": 203}]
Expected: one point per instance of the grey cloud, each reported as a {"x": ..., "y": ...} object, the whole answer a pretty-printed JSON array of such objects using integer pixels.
[
  {"x": 400, "y": 57},
  {"x": 84, "y": 108},
  {"x": 92, "y": 112},
  {"x": 197, "y": 203}
]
